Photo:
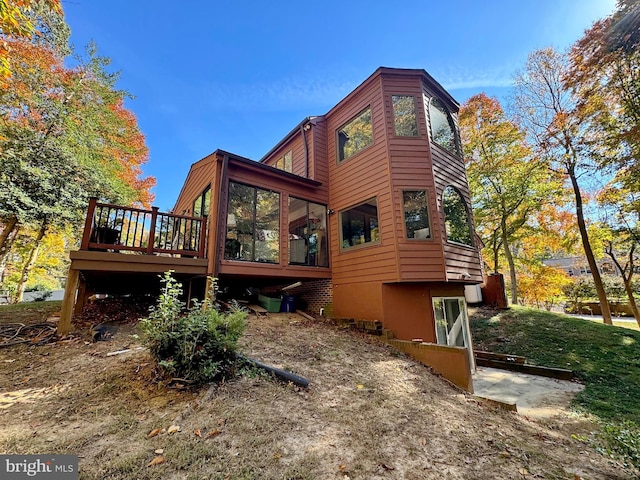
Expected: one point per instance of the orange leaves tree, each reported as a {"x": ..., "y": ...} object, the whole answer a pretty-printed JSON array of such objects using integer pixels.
[
  {"x": 542, "y": 286},
  {"x": 507, "y": 181},
  {"x": 561, "y": 135},
  {"x": 65, "y": 135}
]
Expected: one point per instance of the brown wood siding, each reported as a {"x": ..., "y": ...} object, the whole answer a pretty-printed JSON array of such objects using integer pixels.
[
  {"x": 449, "y": 169},
  {"x": 363, "y": 176},
  {"x": 200, "y": 175},
  {"x": 418, "y": 260}
]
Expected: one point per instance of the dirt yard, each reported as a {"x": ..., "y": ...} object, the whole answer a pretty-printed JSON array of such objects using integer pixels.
[{"x": 369, "y": 413}]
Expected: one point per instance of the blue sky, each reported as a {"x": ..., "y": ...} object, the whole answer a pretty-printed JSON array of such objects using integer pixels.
[{"x": 239, "y": 75}]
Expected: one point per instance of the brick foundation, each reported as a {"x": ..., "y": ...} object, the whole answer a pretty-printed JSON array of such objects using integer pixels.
[{"x": 317, "y": 294}]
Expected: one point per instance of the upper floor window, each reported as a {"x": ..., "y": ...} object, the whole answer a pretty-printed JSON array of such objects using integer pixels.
[
  {"x": 404, "y": 115},
  {"x": 285, "y": 162},
  {"x": 201, "y": 204},
  {"x": 355, "y": 135},
  {"x": 253, "y": 224},
  {"x": 359, "y": 224},
  {"x": 416, "y": 213},
  {"x": 443, "y": 130},
  {"x": 456, "y": 217}
]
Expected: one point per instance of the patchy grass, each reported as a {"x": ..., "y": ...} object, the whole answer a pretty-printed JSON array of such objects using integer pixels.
[
  {"x": 370, "y": 413},
  {"x": 605, "y": 358},
  {"x": 26, "y": 312}
]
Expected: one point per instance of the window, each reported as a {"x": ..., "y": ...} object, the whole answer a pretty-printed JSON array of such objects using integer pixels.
[
  {"x": 443, "y": 131},
  {"x": 253, "y": 224},
  {"x": 355, "y": 135},
  {"x": 308, "y": 233},
  {"x": 201, "y": 204},
  {"x": 285, "y": 162},
  {"x": 404, "y": 115},
  {"x": 456, "y": 217},
  {"x": 416, "y": 213},
  {"x": 360, "y": 224},
  {"x": 452, "y": 326}
]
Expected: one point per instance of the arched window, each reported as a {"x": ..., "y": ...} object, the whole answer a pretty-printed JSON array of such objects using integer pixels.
[
  {"x": 456, "y": 217},
  {"x": 443, "y": 130}
]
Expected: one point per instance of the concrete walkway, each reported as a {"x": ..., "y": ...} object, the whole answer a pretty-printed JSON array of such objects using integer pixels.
[{"x": 534, "y": 396}]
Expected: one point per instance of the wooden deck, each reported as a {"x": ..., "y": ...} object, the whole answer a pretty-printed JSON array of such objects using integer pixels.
[{"x": 125, "y": 249}]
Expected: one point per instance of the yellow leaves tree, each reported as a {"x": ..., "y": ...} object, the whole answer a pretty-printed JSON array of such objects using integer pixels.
[
  {"x": 541, "y": 285},
  {"x": 15, "y": 22}
]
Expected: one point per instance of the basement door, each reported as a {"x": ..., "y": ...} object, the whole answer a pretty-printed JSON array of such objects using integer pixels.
[{"x": 452, "y": 324}]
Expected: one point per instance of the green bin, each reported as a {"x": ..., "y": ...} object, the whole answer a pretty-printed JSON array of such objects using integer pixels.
[{"x": 271, "y": 304}]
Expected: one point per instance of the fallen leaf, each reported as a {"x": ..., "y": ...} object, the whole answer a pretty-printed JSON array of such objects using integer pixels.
[
  {"x": 360, "y": 386},
  {"x": 173, "y": 429},
  {"x": 213, "y": 433},
  {"x": 423, "y": 441},
  {"x": 523, "y": 471},
  {"x": 342, "y": 468},
  {"x": 153, "y": 433},
  {"x": 386, "y": 467},
  {"x": 159, "y": 451},
  {"x": 156, "y": 461},
  {"x": 197, "y": 433}
]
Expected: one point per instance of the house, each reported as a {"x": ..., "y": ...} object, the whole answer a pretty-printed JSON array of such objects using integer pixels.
[{"x": 367, "y": 206}]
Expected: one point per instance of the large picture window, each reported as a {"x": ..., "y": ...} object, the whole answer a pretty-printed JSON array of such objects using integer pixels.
[
  {"x": 253, "y": 224},
  {"x": 307, "y": 233},
  {"x": 416, "y": 214},
  {"x": 443, "y": 130},
  {"x": 360, "y": 224},
  {"x": 456, "y": 217},
  {"x": 355, "y": 135},
  {"x": 404, "y": 115}
]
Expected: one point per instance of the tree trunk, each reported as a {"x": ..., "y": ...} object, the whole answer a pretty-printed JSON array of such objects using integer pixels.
[
  {"x": 588, "y": 252},
  {"x": 632, "y": 301},
  {"x": 33, "y": 255},
  {"x": 5, "y": 243},
  {"x": 512, "y": 266},
  {"x": 4, "y": 253}
]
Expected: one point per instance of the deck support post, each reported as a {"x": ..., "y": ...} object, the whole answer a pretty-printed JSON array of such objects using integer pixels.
[{"x": 68, "y": 302}]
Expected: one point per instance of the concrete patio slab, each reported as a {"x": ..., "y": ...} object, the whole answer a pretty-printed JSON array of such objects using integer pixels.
[{"x": 534, "y": 396}]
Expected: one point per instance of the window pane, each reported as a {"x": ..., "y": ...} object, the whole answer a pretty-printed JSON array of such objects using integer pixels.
[
  {"x": 456, "y": 217},
  {"x": 404, "y": 115},
  {"x": 416, "y": 214},
  {"x": 197, "y": 206},
  {"x": 288, "y": 162},
  {"x": 442, "y": 128},
  {"x": 307, "y": 233},
  {"x": 207, "y": 201},
  {"x": 360, "y": 224},
  {"x": 355, "y": 135},
  {"x": 240, "y": 222},
  {"x": 267, "y": 233}
]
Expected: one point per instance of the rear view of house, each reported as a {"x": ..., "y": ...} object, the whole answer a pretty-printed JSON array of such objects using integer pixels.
[{"x": 367, "y": 206}]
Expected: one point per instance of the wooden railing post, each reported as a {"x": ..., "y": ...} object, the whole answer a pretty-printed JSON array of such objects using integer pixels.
[
  {"x": 88, "y": 224},
  {"x": 203, "y": 236},
  {"x": 152, "y": 230}
]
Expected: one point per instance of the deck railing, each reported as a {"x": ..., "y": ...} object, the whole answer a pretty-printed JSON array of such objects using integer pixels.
[{"x": 134, "y": 230}]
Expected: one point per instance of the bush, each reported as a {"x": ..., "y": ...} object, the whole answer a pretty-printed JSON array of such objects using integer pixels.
[
  {"x": 622, "y": 441},
  {"x": 198, "y": 345}
]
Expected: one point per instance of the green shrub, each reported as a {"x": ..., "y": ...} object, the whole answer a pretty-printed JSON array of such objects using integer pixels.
[
  {"x": 198, "y": 344},
  {"x": 622, "y": 441}
]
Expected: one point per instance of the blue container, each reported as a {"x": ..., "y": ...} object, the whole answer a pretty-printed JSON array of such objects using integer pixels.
[{"x": 288, "y": 303}]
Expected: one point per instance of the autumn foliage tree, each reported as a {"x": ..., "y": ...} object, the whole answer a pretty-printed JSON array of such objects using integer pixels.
[
  {"x": 65, "y": 135},
  {"x": 549, "y": 111},
  {"x": 508, "y": 182}
]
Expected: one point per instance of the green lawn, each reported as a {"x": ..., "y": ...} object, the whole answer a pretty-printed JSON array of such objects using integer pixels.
[{"x": 605, "y": 358}]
